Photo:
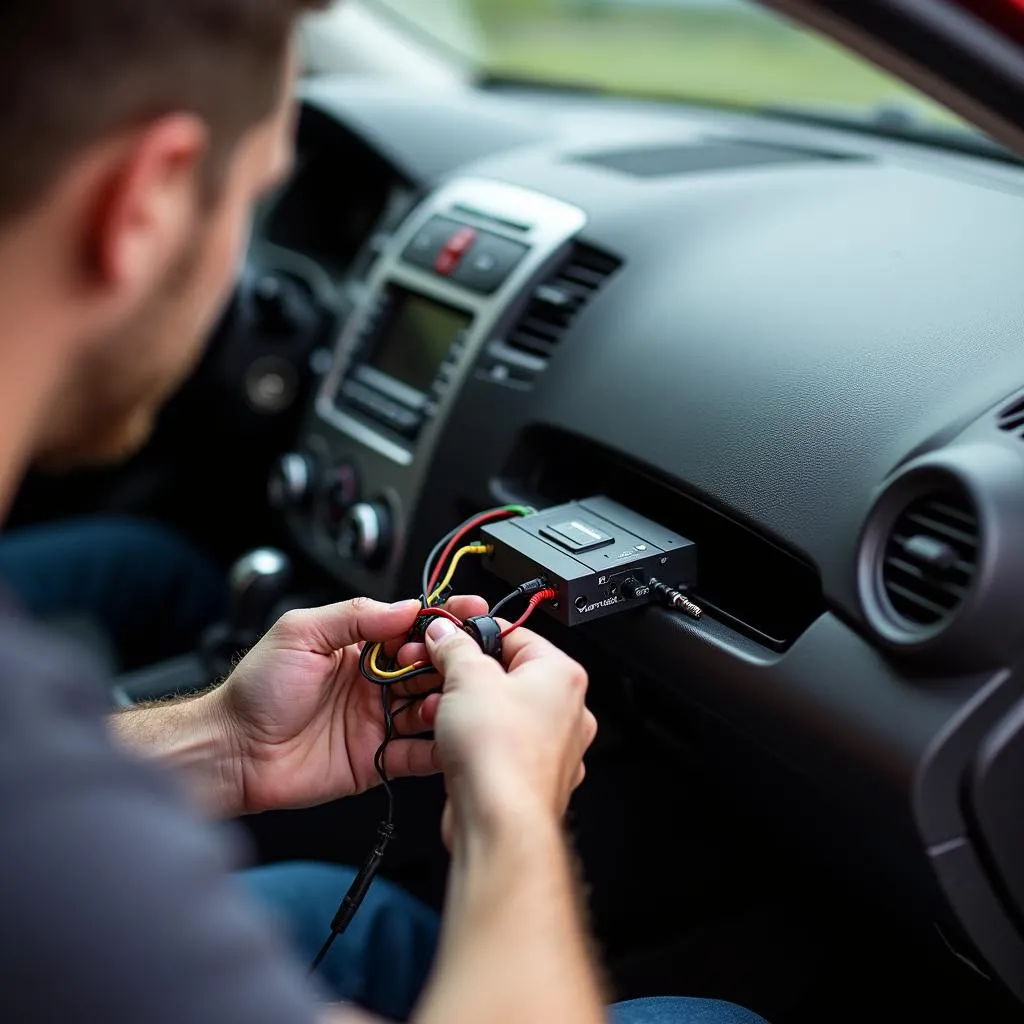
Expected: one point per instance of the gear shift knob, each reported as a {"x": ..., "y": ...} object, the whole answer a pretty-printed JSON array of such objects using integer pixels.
[{"x": 258, "y": 583}]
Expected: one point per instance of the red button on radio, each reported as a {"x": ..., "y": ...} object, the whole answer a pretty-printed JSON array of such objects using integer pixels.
[{"x": 449, "y": 258}]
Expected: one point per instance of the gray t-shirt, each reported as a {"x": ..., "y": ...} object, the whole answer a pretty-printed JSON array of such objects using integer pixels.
[{"x": 117, "y": 906}]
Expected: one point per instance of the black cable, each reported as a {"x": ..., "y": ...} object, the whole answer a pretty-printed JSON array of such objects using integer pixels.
[
  {"x": 386, "y": 829},
  {"x": 534, "y": 586},
  {"x": 371, "y": 676},
  {"x": 357, "y": 891},
  {"x": 414, "y": 700},
  {"x": 506, "y": 600},
  {"x": 324, "y": 950},
  {"x": 378, "y": 758},
  {"x": 428, "y": 565}
]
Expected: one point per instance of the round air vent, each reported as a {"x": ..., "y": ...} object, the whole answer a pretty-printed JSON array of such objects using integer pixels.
[
  {"x": 929, "y": 559},
  {"x": 940, "y": 558}
]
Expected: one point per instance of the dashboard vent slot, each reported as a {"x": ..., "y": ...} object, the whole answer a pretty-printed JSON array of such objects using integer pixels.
[
  {"x": 702, "y": 156},
  {"x": 1011, "y": 419},
  {"x": 559, "y": 300},
  {"x": 930, "y": 558}
]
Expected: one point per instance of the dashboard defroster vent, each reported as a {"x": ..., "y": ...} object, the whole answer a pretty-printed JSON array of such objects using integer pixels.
[
  {"x": 559, "y": 300},
  {"x": 1011, "y": 419},
  {"x": 930, "y": 558}
]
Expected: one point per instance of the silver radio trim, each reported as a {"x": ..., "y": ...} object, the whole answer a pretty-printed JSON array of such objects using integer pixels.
[{"x": 547, "y": 225}]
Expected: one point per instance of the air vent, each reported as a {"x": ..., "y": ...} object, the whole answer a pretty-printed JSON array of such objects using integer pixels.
[
  {"x": 930, "y": 558},
  {"x": 1011, "y": 419},
  {"x": 559, "y": 300}
]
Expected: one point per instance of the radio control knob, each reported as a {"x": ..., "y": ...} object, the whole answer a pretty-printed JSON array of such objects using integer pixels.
[
  {"x": 340, "y": 491},
  {"x": 284, "y": 306},
  {"x": 365, "y": 535},
  {"x": 632, "y": 589},
  {"x": 291, "y": 482}
]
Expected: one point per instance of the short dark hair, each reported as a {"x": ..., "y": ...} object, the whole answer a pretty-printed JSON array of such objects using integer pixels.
[{"x": 72, "y": 71}]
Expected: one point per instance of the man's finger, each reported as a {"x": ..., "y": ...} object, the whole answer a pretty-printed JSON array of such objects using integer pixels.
[
  {"x": 455, "y": 655},
  {"x": 421, "y": 716},
  {"x": 524, "y": 646},
  {"x": 463, "y": 607},
  {"x": 404, "y": 758},
  {"x": 409, "y": 654},
  {"x": 466, "y": 606},
  {"x": 338, "y": 625},
  {"x": 408, "y": 689}
]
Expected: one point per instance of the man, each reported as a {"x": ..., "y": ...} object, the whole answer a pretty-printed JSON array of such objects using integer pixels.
[{"x": 139, "y": 133}]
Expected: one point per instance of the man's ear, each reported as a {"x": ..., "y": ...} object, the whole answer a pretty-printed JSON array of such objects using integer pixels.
[{"x": 149, "y": 206}]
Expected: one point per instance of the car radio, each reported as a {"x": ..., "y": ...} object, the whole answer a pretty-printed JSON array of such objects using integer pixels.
[
  {"x": 439, "y": 293},
  {"x": 410, "y": 342},
  {"x": 402, "y": 360}
]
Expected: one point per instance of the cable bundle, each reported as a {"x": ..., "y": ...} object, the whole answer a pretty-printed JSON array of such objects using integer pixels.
[{"x": 438, "y": 572}]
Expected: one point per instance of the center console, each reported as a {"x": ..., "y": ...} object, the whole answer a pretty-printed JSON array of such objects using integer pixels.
[{"x": 439, "y": 294}]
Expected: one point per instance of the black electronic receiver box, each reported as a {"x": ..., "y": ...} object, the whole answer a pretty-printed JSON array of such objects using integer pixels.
[{"x": 598, "y": 555}]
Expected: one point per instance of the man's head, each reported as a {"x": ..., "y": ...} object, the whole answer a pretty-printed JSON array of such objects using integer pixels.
[{"x": 138, "y": 134}]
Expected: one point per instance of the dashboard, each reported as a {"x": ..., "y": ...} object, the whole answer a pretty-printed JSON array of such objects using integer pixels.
[{"x": 802, "y": 348}]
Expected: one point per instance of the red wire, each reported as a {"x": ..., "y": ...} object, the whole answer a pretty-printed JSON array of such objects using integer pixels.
[
  {"x": 440, "y": 613},
  {"x": 539, "y": 598},
  {"x": 486, "y": 517}
]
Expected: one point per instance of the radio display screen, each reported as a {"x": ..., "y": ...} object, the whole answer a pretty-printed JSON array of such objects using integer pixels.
[{"x": 418, "y": 334}]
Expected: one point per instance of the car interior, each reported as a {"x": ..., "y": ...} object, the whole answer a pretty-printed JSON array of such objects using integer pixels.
[{"x": 780, "y": 320}]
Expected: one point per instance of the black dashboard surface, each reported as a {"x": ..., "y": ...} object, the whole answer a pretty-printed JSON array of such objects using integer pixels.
[
  {"x": 792, "y": 331},
  {"x": 798, "y": 313}
]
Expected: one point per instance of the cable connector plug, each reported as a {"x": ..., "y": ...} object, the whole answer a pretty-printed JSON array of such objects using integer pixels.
[
  {"x": 676, "y": 599},
  {"x": 532, "y": 586},
  {"x": 361, "y": 883}
]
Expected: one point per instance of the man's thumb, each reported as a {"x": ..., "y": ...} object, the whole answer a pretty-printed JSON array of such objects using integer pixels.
[{"x": 449, "y": 647}]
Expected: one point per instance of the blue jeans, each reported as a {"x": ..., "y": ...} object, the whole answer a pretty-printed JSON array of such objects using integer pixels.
[
  {"x": 381, "y": 963},
  {"x": 149, "y": 590}
]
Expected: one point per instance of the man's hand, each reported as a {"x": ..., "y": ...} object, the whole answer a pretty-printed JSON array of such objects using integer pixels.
[
  {"x": 304, "y": 723},
  {"x": 511, "y": 740}
]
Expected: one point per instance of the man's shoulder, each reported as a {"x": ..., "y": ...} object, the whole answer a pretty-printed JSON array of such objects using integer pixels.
[
  {"x": 107, "y": 872},
  {"x": 44, "y": 675}
]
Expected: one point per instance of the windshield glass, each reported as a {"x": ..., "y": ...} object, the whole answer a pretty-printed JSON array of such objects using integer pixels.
[{"x": 729, "y": 52}]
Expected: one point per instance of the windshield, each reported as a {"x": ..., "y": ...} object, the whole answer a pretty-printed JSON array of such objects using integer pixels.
[{"x": 729, "y": 52}]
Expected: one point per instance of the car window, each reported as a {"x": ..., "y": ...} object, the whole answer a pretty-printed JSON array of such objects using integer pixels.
[{"x": 729, "y": 52}]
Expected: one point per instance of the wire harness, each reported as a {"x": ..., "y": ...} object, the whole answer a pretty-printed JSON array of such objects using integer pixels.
[{"x": 380, "y": 667}]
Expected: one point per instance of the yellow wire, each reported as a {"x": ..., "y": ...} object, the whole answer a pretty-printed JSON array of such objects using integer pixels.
[
  {"x": 469, "y": 549},
  {"x": 383, "y": 673}
]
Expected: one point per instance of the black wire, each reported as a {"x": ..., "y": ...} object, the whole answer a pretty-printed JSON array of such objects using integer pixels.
[
  {"x": 371, "y": 676},
  {"x": 354, "y": 898},
  {"x": 378, "y": 758},
  {"x": 414, "y": 700},
  {"x": 356, "y": 892},
  {"x": 324, "y": 950},
  {"x": 428, "y": 565},
  {"x": 507, "y": 599}
]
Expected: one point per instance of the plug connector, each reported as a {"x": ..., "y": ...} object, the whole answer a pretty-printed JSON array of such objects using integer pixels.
[
  {"x": 534, "y": 586},
  {"x": 675, "y": 599}
]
